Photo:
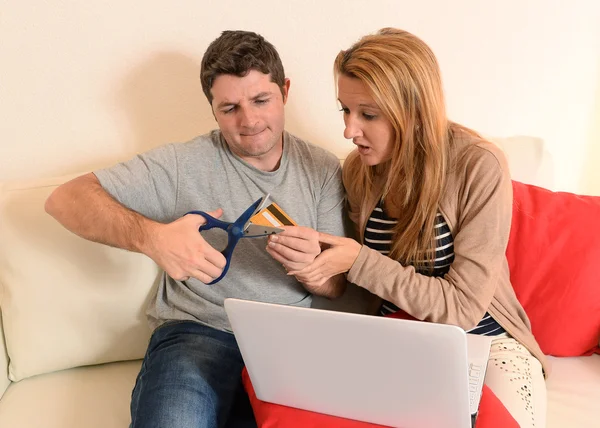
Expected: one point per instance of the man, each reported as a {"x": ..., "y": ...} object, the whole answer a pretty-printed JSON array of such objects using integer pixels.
[{"x": 190, "y": 376}]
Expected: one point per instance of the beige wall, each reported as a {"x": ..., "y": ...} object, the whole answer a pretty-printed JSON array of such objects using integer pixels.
[
  {"x": 590, "y": 179},
  {"x": 83, "y": 84}
]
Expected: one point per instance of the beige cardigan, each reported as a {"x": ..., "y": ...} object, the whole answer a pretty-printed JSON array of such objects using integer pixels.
[{"x": 477, "y": 205}]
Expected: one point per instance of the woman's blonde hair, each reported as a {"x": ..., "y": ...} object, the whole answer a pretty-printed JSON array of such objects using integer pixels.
[{"x": 402, "y": 74}]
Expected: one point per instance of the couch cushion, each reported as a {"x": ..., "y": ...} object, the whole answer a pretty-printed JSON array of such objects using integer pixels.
[
  {"x": 528, "y": 160},
  {"x": 574, "y": 392},
  {"x": 91, "y": 397},
  {"x": 65, "y": 301},
  {"x": 553, "y": 251},
  {"x": 4, "y": 381}
]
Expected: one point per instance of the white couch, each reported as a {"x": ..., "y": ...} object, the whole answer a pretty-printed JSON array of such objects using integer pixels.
[{"x": 74, "y": 331}]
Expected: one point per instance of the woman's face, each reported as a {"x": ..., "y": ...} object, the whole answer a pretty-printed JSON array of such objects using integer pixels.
[{"x": 365, "y": 123}]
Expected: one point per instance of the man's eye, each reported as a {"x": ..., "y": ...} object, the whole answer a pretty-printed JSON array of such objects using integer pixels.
[
  {"x": 229, "y": 110},
  {"x": 262, "y": 101}
]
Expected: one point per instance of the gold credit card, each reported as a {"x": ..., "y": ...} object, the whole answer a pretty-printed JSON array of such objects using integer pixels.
[{"x": 273, "y": 216}]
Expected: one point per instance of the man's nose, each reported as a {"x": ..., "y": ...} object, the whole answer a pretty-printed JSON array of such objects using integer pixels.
[{"x": 249, "y": 118}]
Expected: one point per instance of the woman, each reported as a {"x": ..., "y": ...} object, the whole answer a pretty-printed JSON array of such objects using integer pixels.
[{"x": 432, "y": 203}]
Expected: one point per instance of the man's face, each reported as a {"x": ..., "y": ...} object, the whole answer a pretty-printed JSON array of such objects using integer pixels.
[{"x": 249, "y": 111}]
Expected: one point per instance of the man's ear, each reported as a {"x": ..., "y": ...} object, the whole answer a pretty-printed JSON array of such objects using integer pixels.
[
  {"x": 212, "y": 110},
  {"x": 285, "y": 89}
]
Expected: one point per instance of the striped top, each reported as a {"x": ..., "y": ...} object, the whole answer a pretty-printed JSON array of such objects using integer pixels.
[{"x": 378, "y": 236}]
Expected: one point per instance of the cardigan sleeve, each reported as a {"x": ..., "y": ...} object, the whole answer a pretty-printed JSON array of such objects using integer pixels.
[{"x": 482, "y": 193}]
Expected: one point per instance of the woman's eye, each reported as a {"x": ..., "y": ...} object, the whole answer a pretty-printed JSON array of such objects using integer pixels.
[
  {"x": 345, "y": 110},
  {"x": 369, "y": 116}
]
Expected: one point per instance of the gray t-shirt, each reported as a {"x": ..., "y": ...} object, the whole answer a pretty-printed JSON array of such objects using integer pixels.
[{"x": 203, "y": 174}]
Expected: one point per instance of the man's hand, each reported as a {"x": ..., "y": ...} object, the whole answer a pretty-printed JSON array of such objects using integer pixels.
[
  {"x": 181, "y": 250},
  {"x": 298, "y": 249},
  {"x": 295, "y": 248},
  {"x": 338, "y": 257}
]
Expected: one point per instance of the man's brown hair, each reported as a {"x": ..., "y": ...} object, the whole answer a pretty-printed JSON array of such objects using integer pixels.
[{"x": 236, "y": 53}]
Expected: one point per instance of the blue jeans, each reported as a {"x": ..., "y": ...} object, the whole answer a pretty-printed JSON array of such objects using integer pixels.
[{"x": 191, "y": 378}]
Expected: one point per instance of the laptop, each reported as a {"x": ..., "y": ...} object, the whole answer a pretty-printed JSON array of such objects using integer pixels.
[{"x": 386, "y": 371}]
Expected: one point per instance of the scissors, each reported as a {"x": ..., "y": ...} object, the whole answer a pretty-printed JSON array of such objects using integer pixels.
[{"x": 241, "y": 228}]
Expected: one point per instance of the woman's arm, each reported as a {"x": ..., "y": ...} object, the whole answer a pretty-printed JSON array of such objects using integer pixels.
[{"x": 483, "y": 193}]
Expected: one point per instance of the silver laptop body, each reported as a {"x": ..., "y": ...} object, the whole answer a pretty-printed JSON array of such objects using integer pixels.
[{"x": 386, "y": 371}]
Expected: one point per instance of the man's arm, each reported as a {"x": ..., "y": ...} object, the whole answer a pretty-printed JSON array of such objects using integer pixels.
[
  {"x": 333, "y": 288},
  {"x": 86, "y": 209}
]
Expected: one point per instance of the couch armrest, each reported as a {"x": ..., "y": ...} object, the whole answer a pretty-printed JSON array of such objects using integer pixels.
[{"x": 4, "y": 382}]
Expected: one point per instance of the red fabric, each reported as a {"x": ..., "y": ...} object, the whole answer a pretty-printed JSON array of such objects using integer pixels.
[
  {"x": 553, "y": 253},
  {"x": 492, "y": 414}
]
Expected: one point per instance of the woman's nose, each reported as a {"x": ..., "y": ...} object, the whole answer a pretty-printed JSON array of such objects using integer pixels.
[{"x": 352, "y": 129}]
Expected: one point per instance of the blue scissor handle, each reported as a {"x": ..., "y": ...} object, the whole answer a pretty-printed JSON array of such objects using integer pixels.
[
  {"x": 234, "y": 234},
  {"x": 235, "y": 231}
]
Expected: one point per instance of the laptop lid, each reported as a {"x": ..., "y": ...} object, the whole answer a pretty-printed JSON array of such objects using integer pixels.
[{"x": 380, "y": 370}]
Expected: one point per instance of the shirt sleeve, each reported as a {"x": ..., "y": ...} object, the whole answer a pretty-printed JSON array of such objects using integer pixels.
[
  {"x": 330, "y": 209},
  {"x": 147, "y": 183}
]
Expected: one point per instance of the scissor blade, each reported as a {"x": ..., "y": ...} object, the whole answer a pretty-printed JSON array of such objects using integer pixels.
[
  {"x": 262, "y": 204},
  {"x": 254, "y": 230}
]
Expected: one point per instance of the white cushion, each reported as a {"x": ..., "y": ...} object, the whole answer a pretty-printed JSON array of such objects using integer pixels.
[
  {"x": 574, "y": 392},
  {"x": 90, "y": 397},
  {"x": 66, "y": 302},
  {"x": 528, "y": 160},
  {"x": 4, "y": 381},
  {"x": 99, "y": 396}
]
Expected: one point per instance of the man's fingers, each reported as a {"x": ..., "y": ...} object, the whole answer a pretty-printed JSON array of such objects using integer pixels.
[
  {"x": 276, "y": 255},
  {"x": 214, "y": 257},
  {"x": 287, "y": 264},
  {"x": 294, "y": 255},
  {"x": 210, "y": 269},
  {"x": 216, "y": 213},
  {"x": 200, "y": 219},
  {"x": 203, "y": 277},
  {"x": 298, "y": 244},
  {"x": 298, "y": 231},
  {"x": 205, "y": 271}
]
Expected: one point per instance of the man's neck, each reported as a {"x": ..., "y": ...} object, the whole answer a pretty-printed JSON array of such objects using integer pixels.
[{"x": 268, "y": 162}]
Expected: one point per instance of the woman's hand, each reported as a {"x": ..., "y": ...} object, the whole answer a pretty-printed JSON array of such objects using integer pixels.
[{"x": 338, "y": 256}]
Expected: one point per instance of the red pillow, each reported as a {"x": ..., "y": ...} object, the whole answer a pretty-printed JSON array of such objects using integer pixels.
[
  {"x": 492, "y": 414},
  {"x": 553, "y": 253}
]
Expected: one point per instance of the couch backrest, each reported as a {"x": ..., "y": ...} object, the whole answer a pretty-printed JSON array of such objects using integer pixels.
[
  {"x": 528, "y": 159},
  {"x": 67, "y": 302}
]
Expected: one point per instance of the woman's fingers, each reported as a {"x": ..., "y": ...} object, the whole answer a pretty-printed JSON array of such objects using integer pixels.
[
  {"x": 314, "y": 268},
  {"x": 325, "y": 238}
]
